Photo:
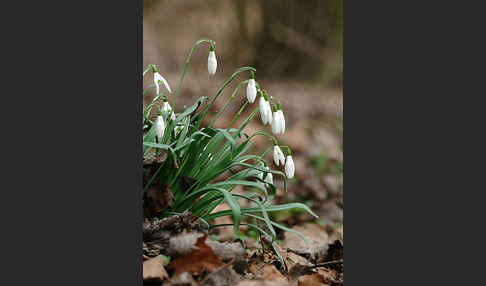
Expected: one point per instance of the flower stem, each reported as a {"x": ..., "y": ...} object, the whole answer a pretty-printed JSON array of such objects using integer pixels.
[
  {"x": 238, "y": 114},
  {"x": 206, "y": 108},
  {"x": 227, "y": 103},
  {"x": 186, "y": 65}
]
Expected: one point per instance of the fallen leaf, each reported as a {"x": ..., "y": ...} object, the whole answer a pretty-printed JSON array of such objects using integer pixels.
[
  {"x": 311, "y": 280},
  {"x": 262, "y": 283},
  {"x": 200, "y": 260},
  {"x": 157, "y": 199},
  {"x": 184, "y": 279},
  {"x": 270, "y": 272},
  {"x": 222, "y": 277},
  {"x": 153, "y": 269},
  {"x": 318, "y": 242}
]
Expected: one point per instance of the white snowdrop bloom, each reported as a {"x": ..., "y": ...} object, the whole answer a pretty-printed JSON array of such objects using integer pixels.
[
  {"x": 212, "y": 63},
  {"x": 263, "y": 110},
  {"x": 159, "y": 127},
  {"x": 276, "y": 123},
  {"x": 289, "y": 167},
  {"x": 168, "y": 109},
  {"x": 278, "y": 156},
  {"x": 251, "y": 90},
  {"x": 269, "y": 178},
  {"x": 158, "y": 79},
  {"x": 268, "y": 112},
  {"x": 282, "y": 121}
]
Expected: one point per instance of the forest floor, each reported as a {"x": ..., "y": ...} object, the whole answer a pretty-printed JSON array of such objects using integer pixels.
[{"x": 218, "y": 257}]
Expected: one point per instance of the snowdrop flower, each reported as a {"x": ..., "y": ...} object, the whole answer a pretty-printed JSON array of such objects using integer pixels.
[
  {"x": 159, "y": 79},
  {"x": 212, "y": 63},
  {"x": 159, "y": 127},
  {"x": 269, "y": 178},
  {"x": 166, "y": 108},
  {"x": 289, "y": 167},
  {"x": 278, "y": 121},
  {"x": 275, "y": 122},
  {"x": 265, "y": 109},
  {"x": 278, "y": 156},
  {"x": 282, "y": 120},
  {"x": 251, "y": 90}
]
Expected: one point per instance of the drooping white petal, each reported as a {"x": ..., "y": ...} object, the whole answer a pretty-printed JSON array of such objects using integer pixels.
[
  {"x": 263, "y": 110},
  {"x": 275, "y": 123},
  {"x": 278, "y": 156},
  {"x": 282, "y": 121},
  {"x": 269, "y": 112},
  {"x": 269, "y": 178},
  {"x": 159, "y": 127},
  {"x": 166, "y": 108},
  {"x": 212, "y": 63},
  {"x": 289, "y": 167},
  {"x": 158, "y": 78},
  {"x": 251, "y": 91}
]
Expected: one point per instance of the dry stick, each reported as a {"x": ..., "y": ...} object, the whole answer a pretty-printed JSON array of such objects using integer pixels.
[{"x": 328, "y": 262}]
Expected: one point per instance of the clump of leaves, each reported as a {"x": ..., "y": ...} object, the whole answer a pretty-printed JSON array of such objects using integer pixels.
[{"x": 194, "y": 156}]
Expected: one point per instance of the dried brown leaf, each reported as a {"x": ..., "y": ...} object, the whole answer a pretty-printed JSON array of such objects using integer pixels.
[
  {"x": 153, "y": 269},
  {"x": 201, "y": 260}
]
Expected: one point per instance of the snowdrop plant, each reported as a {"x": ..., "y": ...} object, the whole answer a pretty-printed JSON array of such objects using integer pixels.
[{"x": 204, "y": 164}]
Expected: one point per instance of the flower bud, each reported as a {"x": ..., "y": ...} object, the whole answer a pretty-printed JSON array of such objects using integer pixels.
[
  {"x": 289, "y": 167},
  {"x": 159, "y": 127},
  {"x": 251, "y": 91},
  {"x": 263, "y": 110},
  {"x": 282, "y": 121},
  {"x": 166, "y": 108},
  {"x": 278, "y": 156},
  {"x": 212, "y": 63}
]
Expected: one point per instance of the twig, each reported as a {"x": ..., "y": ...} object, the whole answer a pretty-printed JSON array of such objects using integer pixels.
[{"x": 328, "y": 262}]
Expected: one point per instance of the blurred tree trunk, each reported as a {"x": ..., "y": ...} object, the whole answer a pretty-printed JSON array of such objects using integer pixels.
[{"x": 298, "y": 38}]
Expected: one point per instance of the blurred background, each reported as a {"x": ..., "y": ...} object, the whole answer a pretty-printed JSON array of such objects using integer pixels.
[{"x": 296, "y": 47}]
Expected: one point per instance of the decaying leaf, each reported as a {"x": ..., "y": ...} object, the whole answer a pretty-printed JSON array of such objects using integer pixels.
[
  {"x": 262, "y": 283},
  {"x": 317, "y": 242},
  {"x": 157, "y": 199},
  {"x": 222, "y": 277},
  {"x": 153, "y": 269},
  {"x": 184, "y": 279},
  {"x": 201, "y": 260},
  {"x": 311, "y": 280}
]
